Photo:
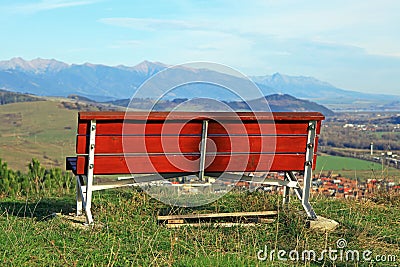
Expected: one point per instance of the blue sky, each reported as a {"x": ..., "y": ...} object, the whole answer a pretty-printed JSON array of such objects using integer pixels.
[{"x": 351, "y": 44}]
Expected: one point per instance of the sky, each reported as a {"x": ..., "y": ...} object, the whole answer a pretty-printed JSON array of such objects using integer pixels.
[{"x": 353, "y": 45}]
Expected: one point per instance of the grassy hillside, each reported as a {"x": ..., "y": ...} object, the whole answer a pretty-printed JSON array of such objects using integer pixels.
[
  {"x": 335, "y": 163},
  {"x": 126, "y": 233},
  {"x": 351, "y": 168},
  {"x": 43, "y": 129}
]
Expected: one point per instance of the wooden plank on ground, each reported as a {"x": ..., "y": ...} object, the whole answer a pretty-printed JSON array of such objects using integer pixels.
[
  {"x": 218, "y": 215},
  {"x": 215, "y": 225},
  {"x": 175, "y": 221}
]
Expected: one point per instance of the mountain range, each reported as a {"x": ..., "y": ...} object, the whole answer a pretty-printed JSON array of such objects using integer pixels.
[{"x": 49, "y": 77}]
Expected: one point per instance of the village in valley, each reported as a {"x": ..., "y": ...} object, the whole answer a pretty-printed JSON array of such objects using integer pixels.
[{"x": 331, "y": 185}]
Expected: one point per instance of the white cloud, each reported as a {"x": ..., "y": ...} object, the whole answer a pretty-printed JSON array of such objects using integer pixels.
[{"x": 372, "y": 27}]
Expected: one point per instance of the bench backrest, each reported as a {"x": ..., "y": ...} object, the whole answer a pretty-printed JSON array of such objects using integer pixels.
[{"x": 142, "y": 142}]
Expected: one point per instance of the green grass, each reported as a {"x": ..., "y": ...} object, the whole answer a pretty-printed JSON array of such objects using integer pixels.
[
  {"x": 126, "y": 233},
  {"x": 44, "y": 130},
  {"x": 335, "y": 163},
  {"x": 393, "y": 135},
  {"x": 355, "y": 168}
]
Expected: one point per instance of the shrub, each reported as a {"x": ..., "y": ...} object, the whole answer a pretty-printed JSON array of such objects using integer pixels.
[{"x": 37, "y": 181}]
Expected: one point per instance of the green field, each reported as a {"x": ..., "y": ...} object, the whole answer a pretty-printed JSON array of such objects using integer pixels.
[
  {"x": 44, "y": 130},
  {"x": 355, "y": 168},
  {"x": 335, "y": 163}
]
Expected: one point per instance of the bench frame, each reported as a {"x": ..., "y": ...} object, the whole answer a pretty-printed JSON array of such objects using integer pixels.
[{"x": 85, "y": 186}]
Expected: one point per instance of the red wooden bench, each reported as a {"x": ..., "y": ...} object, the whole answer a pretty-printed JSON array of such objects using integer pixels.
[{"x": 177, "y": 144}]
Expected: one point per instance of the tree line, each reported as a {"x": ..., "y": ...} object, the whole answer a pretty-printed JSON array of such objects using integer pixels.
[
  {"x": 7, "y": 97},
  {"x": 350, "y": 138}
]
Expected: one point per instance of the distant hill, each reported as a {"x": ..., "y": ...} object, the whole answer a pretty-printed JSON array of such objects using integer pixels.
[
  {"x": 276, "y": 102},
  {"x": 49, "y": 77},
  {"x": 72, "y": 102},
  {"x": 7, "y": 97},
  {"x": 285, "y": 102},
  {"x": 394, "y": 119},
  {"x": 80, "y": 98}
]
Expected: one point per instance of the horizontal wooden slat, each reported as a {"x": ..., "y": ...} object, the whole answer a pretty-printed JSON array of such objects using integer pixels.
[
  {"x": 181, "y": 163},
  {"x": 188, "y": 144},
  {"x": 185, "y": 128},
  {"x": 142, "y": 127},
  {"x": 249, "y": 116},
  {"x": 81, "y": 165}
]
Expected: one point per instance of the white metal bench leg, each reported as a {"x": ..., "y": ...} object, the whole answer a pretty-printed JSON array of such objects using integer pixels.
[
  {"x": 286, "y": 196},
  {"x": 312, "y": 128},
  {"x": 300, "y": 194},
  {"x": 90, "y": 172},
  {"x": 79, "y": 197},
  {"x": 88, "y": 199},
  {"x": 291, "y": 177},
  {"x": 203, "y": 149},
  {"x": 306, "y": 195}
]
